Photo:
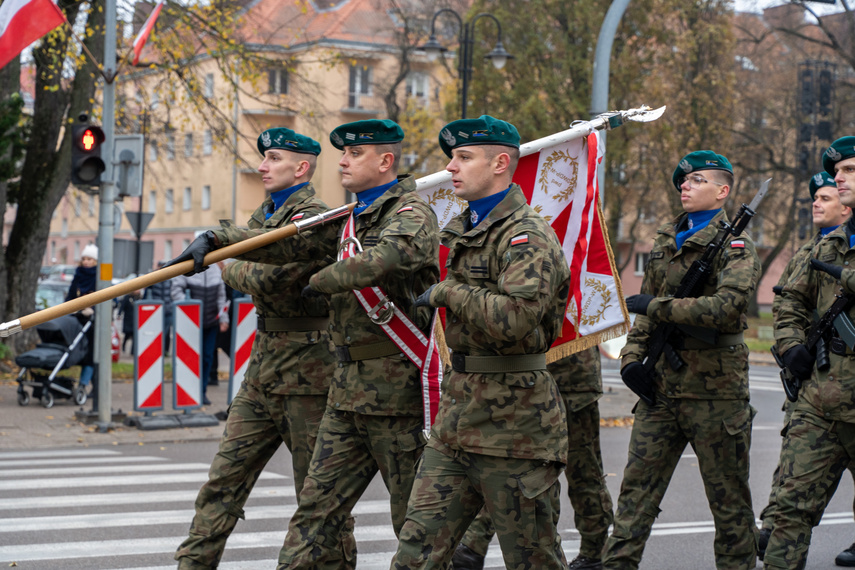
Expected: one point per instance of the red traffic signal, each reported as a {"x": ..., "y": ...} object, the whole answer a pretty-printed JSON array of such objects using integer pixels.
[{"x": 86, "y": 162}]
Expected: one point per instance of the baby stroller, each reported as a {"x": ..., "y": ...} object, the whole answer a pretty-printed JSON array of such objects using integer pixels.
[{"x": 63, "y": 345}]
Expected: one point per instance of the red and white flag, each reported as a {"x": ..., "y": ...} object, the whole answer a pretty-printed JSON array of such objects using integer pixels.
[
  {"x": 24, "y": 21},
  {"x": 145, "y": 31},
  {"x": 559, "y": 180}
]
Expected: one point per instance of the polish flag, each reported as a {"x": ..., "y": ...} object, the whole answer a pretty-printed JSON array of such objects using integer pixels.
[
  {"x": 145, "y": 31},
  {"x": 24, "y": 21}
]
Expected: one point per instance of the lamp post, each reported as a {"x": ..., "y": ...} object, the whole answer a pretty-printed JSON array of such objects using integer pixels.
[{"x": 466, "y": 38}]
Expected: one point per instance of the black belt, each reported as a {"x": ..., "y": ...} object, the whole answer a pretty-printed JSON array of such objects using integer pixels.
[
  {"x": 348, "y": 353},
  {"x": 497, "y": 364},
  {"x": 296, "y": 324}
]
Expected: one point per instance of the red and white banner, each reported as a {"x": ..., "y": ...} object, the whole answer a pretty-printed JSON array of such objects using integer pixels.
[
  {"x": 419, "y": 349},
  {"x": 243, "y": 336},
  {"x": 187, "y": 356},
  {"x": 558, "y": 176},
  {"x": 148, "y": 356},
  {"x": 145, "y": 31},
  {"x": 24, "y": 21}
]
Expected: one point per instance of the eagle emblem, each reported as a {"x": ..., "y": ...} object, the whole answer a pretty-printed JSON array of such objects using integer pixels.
[
  {"x": 817, "y": 179},
  {"x": 833, "y": 154},
  {"x": 265, "y": 139},
  {"x": 336, "y": 139},
  {"x": 448, "y": 137},
  {"x": 685, "y": 166}
]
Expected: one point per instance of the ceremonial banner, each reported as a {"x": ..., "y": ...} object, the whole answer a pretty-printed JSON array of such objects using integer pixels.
[
  {"x": 145, "y": 31},
  {"x": 560, "y": 182},
  {"x": 24, "y": 21}
]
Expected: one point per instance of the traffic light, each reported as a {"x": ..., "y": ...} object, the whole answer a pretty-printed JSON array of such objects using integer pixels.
[{"x": 86, "y": 163}]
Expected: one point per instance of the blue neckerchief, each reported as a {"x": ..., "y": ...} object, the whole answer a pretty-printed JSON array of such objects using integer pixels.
[
  {"x": 826, "y": 231},
  {"x": 280, "y": 196},
  {"x": 367, "y": 197},
  {"x": 481, "y": 208},
  {"x": 850, "y": 231},
  {"x": 697, "y": 222}
]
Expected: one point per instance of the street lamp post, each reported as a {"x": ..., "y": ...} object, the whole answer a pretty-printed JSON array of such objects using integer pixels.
[{"x": 466, "y": 38}]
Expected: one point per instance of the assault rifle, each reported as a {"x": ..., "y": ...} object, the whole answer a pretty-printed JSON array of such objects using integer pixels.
[
  {"x": 690, "y": 286},
  {"x": 819, "y": 336}
]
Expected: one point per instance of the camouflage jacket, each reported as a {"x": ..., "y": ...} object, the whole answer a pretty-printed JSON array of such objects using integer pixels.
[
  {"x": 503, "y": 298},
  {"x": 830, "y": 394},
  {"x": 714, "y": 373},
  {"x": 800, "y": 258},
  {"x": 579, "y": 377},
  {"x": 298, "y": 363}
]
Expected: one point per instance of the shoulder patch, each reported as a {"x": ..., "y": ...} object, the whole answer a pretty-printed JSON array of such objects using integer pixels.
[
  {"x": 829, "y": 257},
  {"x": 520, "y": 239},
  {"x": 405, "y": 209},
  {"x": 738, "y": 243},
  {"x": 299, "y": 216},
  {"x": 657, "y": 254}
]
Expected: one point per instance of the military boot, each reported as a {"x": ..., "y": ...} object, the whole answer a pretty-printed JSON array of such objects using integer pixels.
[
  {"x": 466, "y": 559},
  {"x": 846, "y": 558},
  {"x": 585, "y": 563}
]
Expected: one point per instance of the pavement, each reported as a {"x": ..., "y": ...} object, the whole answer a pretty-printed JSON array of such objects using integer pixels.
[{"x": 33, "y": 426}]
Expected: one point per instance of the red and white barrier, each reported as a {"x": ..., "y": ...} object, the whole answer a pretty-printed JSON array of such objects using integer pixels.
[
  {"x": 148, "y": 356},
  {"x": 244, "y": 327},
  {"x": 187, "y": 356}
]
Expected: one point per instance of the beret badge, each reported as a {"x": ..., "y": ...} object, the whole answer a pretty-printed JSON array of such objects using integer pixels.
[
  {"x": 833, "y": 154},
  {"x": 265, "y": 139},
  {"x": 685, "y": 166},
  {"x": 336, "y": 138},
  {"x": 448, "y": 137}
]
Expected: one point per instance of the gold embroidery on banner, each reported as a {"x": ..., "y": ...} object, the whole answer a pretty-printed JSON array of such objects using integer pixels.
[
  {"x": 605, "y": 297},
  {"x": 453, "y": 204},
  {"x": 551, "y": 177}
]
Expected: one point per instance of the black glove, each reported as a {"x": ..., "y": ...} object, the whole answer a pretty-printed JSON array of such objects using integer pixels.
[
  {"x": 634, "y": 376},
  {"x": 423, "y": 300},
  {"x": 197, "y": 250},
  {"x": 638, "y": 304},
  {"x": 308, "y": 293},
  {"x": 800, "y": 361},
  {"x": 834, "y": 270},
  {"x": 777, "y": 289}
]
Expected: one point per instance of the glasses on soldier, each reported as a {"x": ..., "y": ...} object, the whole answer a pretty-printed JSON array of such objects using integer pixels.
[{"x": 696, "y": 180}]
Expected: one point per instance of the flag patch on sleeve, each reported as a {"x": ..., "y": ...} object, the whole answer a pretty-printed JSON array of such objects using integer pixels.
[
  {"x": 738, "y": 243},
  {"x": 520, "y": 239},
  {"x": 297, "y": 216},
  {"x": 405, "y": 209}
]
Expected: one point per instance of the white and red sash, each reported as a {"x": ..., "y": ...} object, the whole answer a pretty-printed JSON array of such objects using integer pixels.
[{"x": 421, "y": 350}]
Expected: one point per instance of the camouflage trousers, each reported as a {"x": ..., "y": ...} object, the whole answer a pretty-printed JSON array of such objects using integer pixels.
[
  {"x": 521, "y": 496},
  {"x": 814, "y": 455},
  {"x": 350, "y": 450},
  {"x": 586, "y": 486},
  {"x": 719, "y": 432},
  {"x": 257, "y": 424},
  {"x": 768, "y": 513}
]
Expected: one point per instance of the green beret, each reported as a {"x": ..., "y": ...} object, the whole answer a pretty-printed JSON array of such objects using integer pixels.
[
  {"x": 483, "y": 130},
  {"x": 700, "y": 160},
  {"x": 819, "y": 180},
  {"x": 372, "y": 131},
  {"x": 286, "y": 139},
  {"x": 839, "y": 150}
]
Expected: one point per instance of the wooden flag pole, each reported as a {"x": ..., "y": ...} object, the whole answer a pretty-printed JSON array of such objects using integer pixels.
[{"x": 143, "y": 281}]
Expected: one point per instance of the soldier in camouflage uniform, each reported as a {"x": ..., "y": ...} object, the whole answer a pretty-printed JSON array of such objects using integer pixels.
[
  {"x": 819, "y": 440},
  {"x": 284, "y": 393},
  {"x": 580, "y": 381},
  {"x": 828, "y": 214},
  {"x": 705, "y": 402},
  {"x": 499, "y": 440}
]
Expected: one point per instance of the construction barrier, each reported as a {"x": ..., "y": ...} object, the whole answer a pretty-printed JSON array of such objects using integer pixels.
[
  {"x": 244, "y": 325},
  {"x": 187, "y": 356},
  {"x": 148, "y": 356}
]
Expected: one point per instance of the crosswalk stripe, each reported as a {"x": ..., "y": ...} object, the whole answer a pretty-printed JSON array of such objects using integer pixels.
[
  {"x": 158, "y": 518},
  {"x": 113, "y": 481},
  {"x": 79, "y": 461},
  {"x": 56, "y": 453},
  {"x": 102, "y": 469}
]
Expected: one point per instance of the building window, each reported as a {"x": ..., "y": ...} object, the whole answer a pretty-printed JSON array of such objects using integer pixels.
[
  {"x": 167, "y": 249},
  {"x": 207, "y": 142},
  {"x": 91, "y": 205},
  {"x": 209, "y": 85},
  {"x": 277, "y": 80},
  {"x": 641, "y": 260},
  {"x": 64, "y": 230},
  {"x": 184, "y": 244},
  {"x": 152, "y": 151},
  {"x": 418, "y": 87},
  {"x": 170, "y": 146},
  {"x": 188, "y": 144},
  {"x": 77, "y": 250},
  {"x": 152, "y": 201},
  {"x": 53, "y": 252},
  {"x": 188, "y": 198},
  {"x": 169, "y": 201},
  {"x": 206, "y": 197},
  {"x": 360, "y": 85},
  {"x": 78, "y": 206}
]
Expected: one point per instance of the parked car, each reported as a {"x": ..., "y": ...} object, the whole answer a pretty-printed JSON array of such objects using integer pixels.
[
  {"x": 50, "y": 292},
  {"x": 61, "y": 272}
]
